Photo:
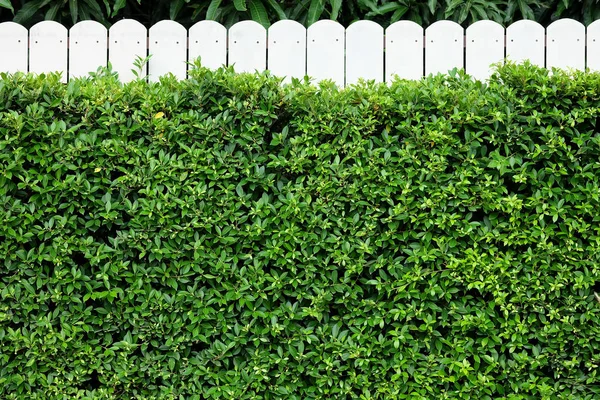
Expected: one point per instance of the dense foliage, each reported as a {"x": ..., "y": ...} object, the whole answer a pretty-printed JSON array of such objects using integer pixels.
[
  {"x": 227, "y": 237},
  {"x": 266, "y": 12}
]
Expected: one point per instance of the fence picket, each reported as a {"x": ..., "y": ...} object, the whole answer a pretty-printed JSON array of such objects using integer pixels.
[
  {"x": 87, "y": 48},
  {"x": 127, "y": 40},
  {"x": 248, "y": 47},
  {"x": 48, "y": 48},
  {"x": 208, "y": 40},
  {"x": 444, "y": 41},
  {"x": 325, "y": 51},
  {"x": 593, "y": 46},
  {"x": 565, "y": 46},
  {"x": 404, "y": 50},
  {"x": 168, "y": 50},
  {"x": 364, "y": 52},
  {"x": 485, "y": 46},
  {"x": 525, "y": 41},
  {"x": 287, "y": 49},
  {"x": 13, "y": 47}
]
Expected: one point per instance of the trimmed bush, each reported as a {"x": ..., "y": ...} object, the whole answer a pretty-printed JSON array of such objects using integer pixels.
[{"x": 229, "y": 237}]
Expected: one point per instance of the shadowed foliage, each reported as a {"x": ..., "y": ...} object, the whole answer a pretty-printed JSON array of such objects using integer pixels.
[{"x": 306, "y": 12}]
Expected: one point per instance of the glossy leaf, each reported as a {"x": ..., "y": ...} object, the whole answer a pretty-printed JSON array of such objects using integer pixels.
[
  {"x": 213, "y": 8},
  {"x": 336, "y": 6},
  {"x": 7, "y": 4},
  {"x": 259, "y": 13},
  {"x": 315, "y": 11},
  {"x": 240, "y": 5}
]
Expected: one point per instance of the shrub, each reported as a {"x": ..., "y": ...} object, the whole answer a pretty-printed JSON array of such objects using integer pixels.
[
  {"x": 229, "y": 237},
  {"x": 306, "y": 12}
]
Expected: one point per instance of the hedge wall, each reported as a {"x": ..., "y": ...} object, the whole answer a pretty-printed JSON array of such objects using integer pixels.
[{"x": 229, "y": 237}]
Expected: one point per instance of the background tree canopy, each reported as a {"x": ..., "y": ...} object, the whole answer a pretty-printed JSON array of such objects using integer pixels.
[{"x": 228, "y": 12}]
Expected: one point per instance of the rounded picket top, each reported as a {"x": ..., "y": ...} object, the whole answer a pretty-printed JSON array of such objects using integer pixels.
[
  {"x": 87, "y": 48},
  {"x": 565, "y": 44},
  {"x": 525, "y": 41},
  {"x": 168, "y": 50},
  {"x": 364, "y": 52},
  {"x": 127, "y": 41},
  {"x": 484, "y": 47},
  {"x": 248, "y": 46},
  {"x": 404, "y": 50},
  {"x": 13, "y": 47},
  {"x": 593, "y": 46},
  {"x": 208, "y": 41},
  {"x": 444, "y": 41},
  {"x": 325, "y": 51},
  {"x": 48, "y": 48},
  {"x": 287, "y": 49}
]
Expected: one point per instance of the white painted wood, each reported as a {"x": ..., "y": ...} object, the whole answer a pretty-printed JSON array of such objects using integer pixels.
[
  {"x": 287, "y": 49},
  {"x": 593, "y": 46},
  {"x": 168, "y": 50},
  {"x": 322, "y": 52},
  {"x": 364, "y": 52},
  {"x": 565, "y": 46},
  {"x": 87, "y": 48},
  {"x": 208, "y": 40},
  {"x": 485, "y": 46},
  {"x": 444, "y": 41},
  {"x": 13, "y": 47},
  {"x": 48, "y": 48},
  {"x": 525, "y": 41},
  {"x": 325, "y": 51},
  {"x": 127, "y": 39},
  {"x": 404, "y": 50},
  {"x": 248, "y": 47}
]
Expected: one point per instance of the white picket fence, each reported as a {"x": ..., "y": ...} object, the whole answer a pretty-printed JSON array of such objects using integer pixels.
[{"x": 326, "y": 50}]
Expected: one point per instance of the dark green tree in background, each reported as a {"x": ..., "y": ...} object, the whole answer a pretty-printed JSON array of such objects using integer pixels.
[{"x": 228, "y": 12}]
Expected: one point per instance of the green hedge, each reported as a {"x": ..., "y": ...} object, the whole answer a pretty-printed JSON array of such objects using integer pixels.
[{"x": 230, "y": 237}]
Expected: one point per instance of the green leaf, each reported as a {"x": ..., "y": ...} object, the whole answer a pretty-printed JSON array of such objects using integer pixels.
[
  {"x": 278, "y": 10},
  {"x": 175, "y": 8},
  {"x": 370, "y": 4},
  {"x": 52, "y": 11},
  {"x": 74, "y": 10},
  {"x": 510, "y": 11},
  {"x": 240, "y": 5},
  {"x": 452, "y": 6},
  {"x": 480, "y": 11},
  {"x": 587, "y": 14},
  {"x": 293, "y": 351},
  {"x": 298, "y": 11},
  {"x": 212, "y": 10},
  {"x": 336, "y": 5},
  {"x": 231, "y": 19},
  {"x": 399, "y": 13},
  {"x": 334, "y": 330},
  {"x": 526, "y": 11},
  {"x": 464, "y": 13},
  {"x": 28, "y": 10},
  {"x": 315, "y": 11},
  {"x": 95, "y": 10},
  {"x": 384, "y": 9},
  {"x": 258, "y": 13},
  {"x": 432, "y": 4},
  {"x": 119, "y": 4},
  {"x": 7, "y": 4}
]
